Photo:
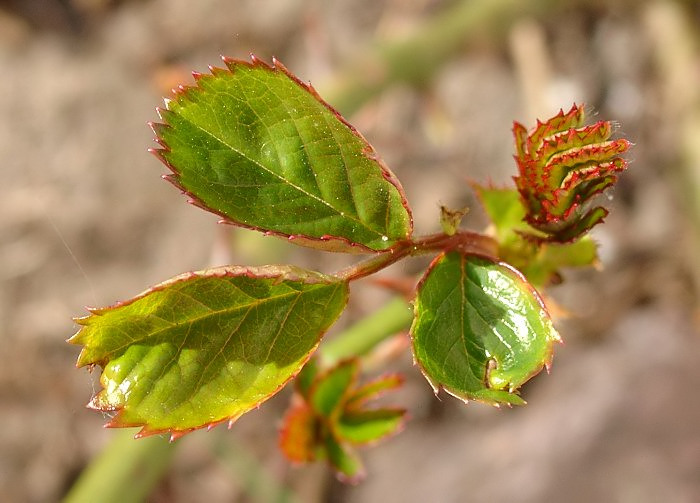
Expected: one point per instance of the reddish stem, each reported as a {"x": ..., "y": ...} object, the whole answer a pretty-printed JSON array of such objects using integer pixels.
[{"x": 464, "y": 241}]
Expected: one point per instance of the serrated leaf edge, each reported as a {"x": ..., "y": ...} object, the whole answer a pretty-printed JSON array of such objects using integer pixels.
[
  {"x": 436, "y": 386},
  {"x": 559, "y": 129},
  {"x": 326, "y": 242},
  {"x": 281, "y": 272}
]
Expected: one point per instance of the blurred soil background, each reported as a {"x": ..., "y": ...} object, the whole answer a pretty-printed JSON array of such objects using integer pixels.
[{"x": 86, "y": 220}]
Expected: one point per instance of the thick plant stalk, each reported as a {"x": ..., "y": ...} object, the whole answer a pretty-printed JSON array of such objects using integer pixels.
[
  {"x": 364, "y": 335},
  {"x": 125, "y": 471}
]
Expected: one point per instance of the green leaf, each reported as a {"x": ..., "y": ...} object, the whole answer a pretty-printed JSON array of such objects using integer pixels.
[
  {"x": 373, "y": 389},
  {"x": 306, "y": 377},
  {"x": 206, "y": 347},
  {"x": 366, "y": 426},
  {"x": 259, "y": 147},
  {"x": 480, "y": 330},
  {"x": 328, "y": 392},
  {"x": 553, "y": 256},
  {"x": 505, "y": 209},
  {"x": 347, "y": 464},
  {"x": 326, "y": 417}
]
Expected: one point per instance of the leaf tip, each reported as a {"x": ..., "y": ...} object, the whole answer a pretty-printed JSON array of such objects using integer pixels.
[
  {"x": 174, "y": 435},
  {"x": 159, "y": 128},
  {"x": 81, "y": 320},
  {"x": 156, "y": 152},
  {"x": 95, "y": 311},
  {"x": 217, "y": 71}
]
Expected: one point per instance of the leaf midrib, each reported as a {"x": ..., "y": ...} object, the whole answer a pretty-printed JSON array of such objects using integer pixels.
[
  {"x": 190, "y": 321},
  {"x": 280, "y": 177}
]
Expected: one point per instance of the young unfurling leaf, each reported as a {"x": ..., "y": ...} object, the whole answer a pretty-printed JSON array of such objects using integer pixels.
[
  {"x": 562, "y": 165},
  {"x": 329, "y": 416}
]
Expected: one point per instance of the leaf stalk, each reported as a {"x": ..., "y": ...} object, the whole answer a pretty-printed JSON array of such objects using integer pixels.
[{"x": 465, "y": 241}]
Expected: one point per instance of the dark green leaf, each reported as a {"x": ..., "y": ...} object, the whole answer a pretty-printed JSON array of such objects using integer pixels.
[
  {"x": 259, "y": 147},
  {"x": 206, "y": 347},
  {"x": 366, "y": 426},
  {"x": 480, "y": 330}
]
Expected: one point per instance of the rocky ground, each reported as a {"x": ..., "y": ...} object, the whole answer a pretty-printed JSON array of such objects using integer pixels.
[{"x": 85, "y": 220}]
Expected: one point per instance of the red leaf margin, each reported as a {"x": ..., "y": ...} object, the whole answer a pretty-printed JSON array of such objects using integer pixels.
[
  {"x": 297, "y": 435},
  {"x": 556, "y": 207}
]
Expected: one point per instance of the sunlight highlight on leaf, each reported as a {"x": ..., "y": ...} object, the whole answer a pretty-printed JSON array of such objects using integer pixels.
[{"x": 206, "y": 347}]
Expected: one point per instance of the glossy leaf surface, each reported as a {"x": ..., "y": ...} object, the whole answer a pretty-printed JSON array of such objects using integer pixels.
[
  {"x": 206, "y": 347},
  {"x": 257, "y": 146},
  {"x": 480, "y": 330}
]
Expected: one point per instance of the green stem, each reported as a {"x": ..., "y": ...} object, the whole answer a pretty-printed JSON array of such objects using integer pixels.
[
  {"x": 260, "y": 486},
  {"x": 361, "y": 337},
  {"x": 125, "y": 471},
  {"x": 417, "y": 58}
]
